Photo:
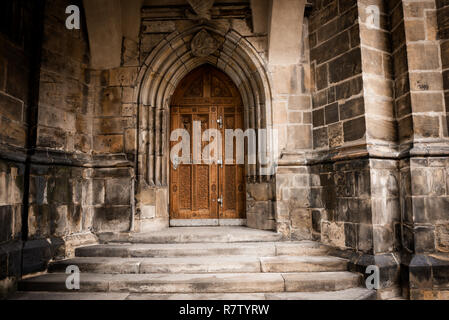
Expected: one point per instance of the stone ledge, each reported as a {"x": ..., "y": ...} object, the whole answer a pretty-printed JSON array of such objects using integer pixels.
[
  {"x": 362, "y": 151},
  {"x": 10, "y": 153},
  {"x": 55, "y": 157}
]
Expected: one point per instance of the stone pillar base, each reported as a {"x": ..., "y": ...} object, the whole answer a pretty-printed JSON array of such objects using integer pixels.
[{"x": 425, "y": 276}]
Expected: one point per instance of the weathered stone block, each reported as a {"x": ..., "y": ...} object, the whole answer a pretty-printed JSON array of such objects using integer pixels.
[
  {"x": 162, "y": 203},
  {"x": 349, "y": 88},
  {"x": 442, "y": 237},
  {"x": 352, "y": 108},
  {"x": 98, "y": 192},
  {"x": 372, "y": 62},
  {"x": 148, "y": 212},
  {"x": 375, "y": 38},
  {"x": 445, "y": 54},
  {"x": 296, "y": 102},
  {"x": 382, "y": 130},
  {"x": 426, "y": 126},
  {"x": 321, "y": 77},
  {"x": 301, "y": 220},
  {"x": 316, "y": 220},
  {"x": 260, "y": 191},
  {"x": 365, "y": 238},
  {"x": 423, "y": 57},
  {"x": 415, "y": 30},
  {"x": 333, "y": 234},
  {"x": 110, "y": 125},
  {"x": 335, "y": 135},
  {"x": 416, "y": 9},
  {"x": 110, "y": 102},
  {"x": 11, "y": 108},
  {"x": 125, "y": 76},
  {"x": 331, "y": 48},
  {"x": 108, "y": 144},
  {"x": 346, "y": 66},
  {"x": 59, "y": 190},
  {"x": 6, "y": 223},
  {"x": 436, "y": 209},
  {"x": 354, "y": 129},
  {"x": 424, "y": 239},
  {"x": 299, "y": 137},
  {"x": 112, "y": 219},
  {"x": 117, "y": 192},
  {"x": 380, "y": 87},
  {"x": 331, "y": 113},
  {"x": 320, "y": 138},
  {"x": 427, "y": 102},
  {"x": 383, "y": 239},
  {"x": 51, "y": 138},
  {"x": 158, "y": 26}
]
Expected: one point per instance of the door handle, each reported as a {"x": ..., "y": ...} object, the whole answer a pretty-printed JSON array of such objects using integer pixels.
[
  {"x": 220, "y": 201},
  {"x": 176, "y": 163},
  {"x": 220, "y": 122}
]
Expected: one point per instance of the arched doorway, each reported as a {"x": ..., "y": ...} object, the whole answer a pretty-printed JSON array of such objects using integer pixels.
[
  {"x": 164, "y": 69},
  {"x": 202, "y": 192}
]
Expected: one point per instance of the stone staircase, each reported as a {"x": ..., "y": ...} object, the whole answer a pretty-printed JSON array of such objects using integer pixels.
[{"x": 229, "y": 263}]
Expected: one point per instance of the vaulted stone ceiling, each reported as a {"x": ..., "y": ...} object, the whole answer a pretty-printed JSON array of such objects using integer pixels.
[{"x": 109, "y": 21}]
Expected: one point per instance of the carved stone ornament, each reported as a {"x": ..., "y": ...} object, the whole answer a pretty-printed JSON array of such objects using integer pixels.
[
  {"x": 203, "y": 44},
  {"x": 201, "y": 8}
]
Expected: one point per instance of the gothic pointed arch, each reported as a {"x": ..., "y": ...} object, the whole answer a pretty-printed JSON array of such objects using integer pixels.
[{"x": 168, "y": 64}]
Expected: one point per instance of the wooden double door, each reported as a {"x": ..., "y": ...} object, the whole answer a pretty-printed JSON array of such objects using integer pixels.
[{"x": 207, "y": 99}]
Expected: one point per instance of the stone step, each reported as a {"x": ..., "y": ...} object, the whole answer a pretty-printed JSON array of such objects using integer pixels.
[
  {"x": 284, "y": 264},
  {"x": 321, "y": 281},
  {"x": 238, "y": 264},
  {"x": 349, "y": 294},
  {"x": 199, "y": 283},
  {"x": 212, "y": 264},
  {"x": 194, "y": 235},
  {"x": 260, "y": 249}
]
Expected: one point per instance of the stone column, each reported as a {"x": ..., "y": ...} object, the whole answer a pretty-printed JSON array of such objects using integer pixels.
[
  {"x": 354, "y": 174},
  {"x": 421, "y": 113},
  {"x": 288, "y": 65}
]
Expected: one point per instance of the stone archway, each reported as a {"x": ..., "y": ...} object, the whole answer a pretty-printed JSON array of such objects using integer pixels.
[{"x": 163, "y": 69}]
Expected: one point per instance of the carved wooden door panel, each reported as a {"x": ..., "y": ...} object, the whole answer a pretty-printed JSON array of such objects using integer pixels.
[
  {"x": 232, "y": 175},
  {"x": 200, "y": 190},
  {"x": 193, "y": 186}
]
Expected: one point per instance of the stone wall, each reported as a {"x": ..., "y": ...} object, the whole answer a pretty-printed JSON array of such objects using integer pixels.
[
  {"x": 16, "y": 64},
  {"x": 61, "y": 144},
  {"x": 338, "y": 105},
  {"x": 45, "y": 136},
  {"x": 292, "y": 118},
  {"x": 383, "y": 183},
  {"x": 260, "y": 205},
  {"x": 423, "y": 138},
  {"x": 335, "y": 56},
  {"x": 11, "y": 195},
  {"x": 354, "y": 176}
]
